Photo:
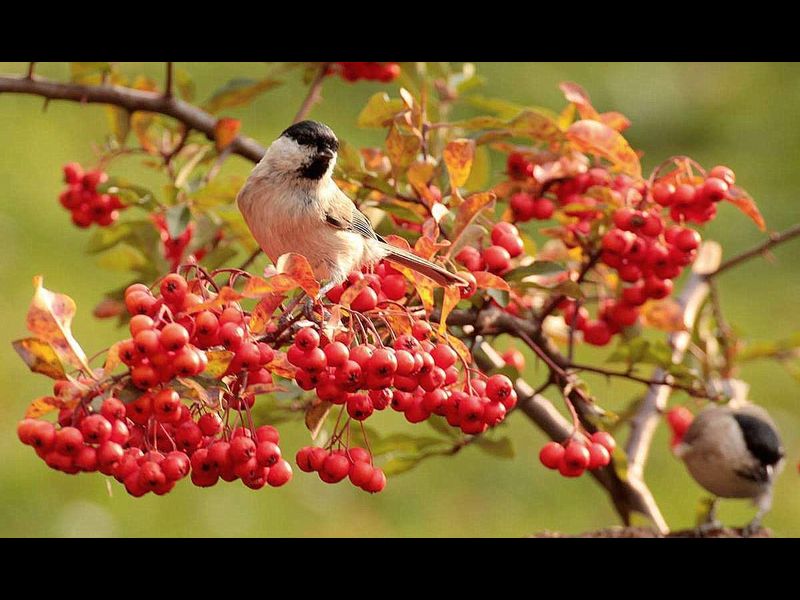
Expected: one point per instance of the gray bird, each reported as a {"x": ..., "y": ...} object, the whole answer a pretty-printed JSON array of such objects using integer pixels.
[{"x": 734, "y": 451}]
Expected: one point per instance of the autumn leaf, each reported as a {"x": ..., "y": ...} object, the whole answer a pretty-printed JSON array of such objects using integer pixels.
[
  {"x": 40, "y": 357},
  {"x": 352, "y": 292},
  {"x": 218, "y": 361},
  {"x": 281, "y": 366},
  {"x": 298, "y": 268},
  {"x": 225, "y": 296},
  {"x": 316, "y": 415},
  {"x": 113, "y": 359},
  {"x": 742, "y": 200},
  {"x": 460, "y": 348},
  {"x": 467, "y": 211},
  {"x": 536, "y": 125},
  {"x": 263, "y": 311},
  {"x": 45, "y": 404},
  {"x": 424, "y": 288},
  {"x": 615, "y": 120},
  {"x": 238, "y": 92},
  {"x": 458, "y": 157},
  {"x": 380, "y": 110},
  {"x": 577, "y": 95},
  {"x": 225, "y": 131},
  {"x": 600, "y": 139},
  {"x": 419, "y": 173},
  {"x": 401, "y": 147},
  {"x": 452, "y": 295},
  {"x": 489, "y": 281},
  {"x": 267, "y": 387},
  {"x": 664, "y": 315},
  {"x": 50, "y": 319}
]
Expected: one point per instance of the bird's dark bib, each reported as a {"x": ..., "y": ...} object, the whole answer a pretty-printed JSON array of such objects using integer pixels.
[
  {"x": 761, "y": 439},
  {"x": 316, "y": 168}
]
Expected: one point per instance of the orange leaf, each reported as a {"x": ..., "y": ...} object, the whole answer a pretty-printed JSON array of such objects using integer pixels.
[
  {"x": 354, "y": 290},
  {"x": 424, "y": 290},
  {"x": 298, "y": 268},
  {"x": 451, "y": 297},
  {"x": 281, "y": 366},
  {"x": 742, "y": 200},
  {"x": 467, "y": 211},
  {"x": 577, "y": 95},
  {"x": 488, "y": 281},
  {"x": 615, "y": 120},
  {"x": 316, "y": 415},
  {"x": 398, "y": 321},
  {"x": 401, "y": 148},
  {"x": 218, "y": 361},
  {"x": 427, "y": 248},
  {"x": 664, "y": 315},
  {"x": 600, "y": 139},
  {"x": 50, "y": 319},
  {"x": 45, "y": 404},
  {"x": 265, "y": 388},
  {"x": 113, "y": 359},
  {"x": 225, "y": 131},
  {"x": 460, "y": 348},
  {"x": 263, "y": 311},
  {"x": 419, "y": 173},
  {"x": 40, "y": 357},
  {"x": 536, "y": 125},
  {"x": 458, "y": 156},
  {"x": 226, "y": 295}
]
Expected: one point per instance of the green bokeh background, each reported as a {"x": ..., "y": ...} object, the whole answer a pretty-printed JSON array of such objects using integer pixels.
[{"x": 743, "y": 115}]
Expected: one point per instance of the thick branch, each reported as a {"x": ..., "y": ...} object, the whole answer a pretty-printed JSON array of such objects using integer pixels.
[
  {"x": 131, "y": 100},
  {"x": 644, "y": 422},
  {"x": 774, "y": 240}
]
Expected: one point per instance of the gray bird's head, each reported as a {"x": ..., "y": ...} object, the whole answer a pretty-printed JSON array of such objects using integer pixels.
[{"x": 306, "y": 150}]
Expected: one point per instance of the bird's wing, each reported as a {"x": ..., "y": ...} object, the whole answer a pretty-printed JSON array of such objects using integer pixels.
[{"x": 343, "y": 214}]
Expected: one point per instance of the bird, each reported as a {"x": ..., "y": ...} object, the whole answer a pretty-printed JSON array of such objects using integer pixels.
[
  {"x": 291, "y": 203},
  {"x": 734, "y": 451}
]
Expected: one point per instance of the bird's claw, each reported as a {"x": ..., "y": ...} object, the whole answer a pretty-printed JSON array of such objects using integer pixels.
[
  {"x": 751, "y": 529},
  {"x": 709, "y": 526}
]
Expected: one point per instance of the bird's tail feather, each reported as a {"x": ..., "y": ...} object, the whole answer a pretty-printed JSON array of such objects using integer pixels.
[{"x": 425, "y": 267}]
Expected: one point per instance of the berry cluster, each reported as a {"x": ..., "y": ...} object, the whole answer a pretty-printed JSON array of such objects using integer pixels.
[
  {"x": 160, "y": 346},
  {"x": 679, "y": 418},
  {"x": 695, "y": 202},
  {"x": 82, "y": 199},
  {"x": 385, "y": 283},
  {"x": 333, "y": 466},
  {"x": 575, "y": 455},
  {"x": 495, "y": 258},
  {"x": 372, "y": 71}
]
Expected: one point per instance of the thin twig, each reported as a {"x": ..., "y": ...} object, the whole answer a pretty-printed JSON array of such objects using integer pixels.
[
  {"x": 313, "y": 95},
  {"x": 250, "y": 259},
  {"x": 30, "y": 70},
  {"x": 774, "y": 240},
  {"x": 168, "y": 85}
]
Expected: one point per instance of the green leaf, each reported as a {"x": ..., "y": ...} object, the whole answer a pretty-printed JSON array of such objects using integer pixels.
[
  {"x": 88, "y": 72},
  {"x": 119, "y": 120},
  {"x": 502, "y": 297},
  {"x": 440, "y": 424},
  {"x": 480, "y": 174},
  {"x": 380, "y": 109},
  {"x": 482, "y": 122},
  {"x": 104, "y": 238},
  {"x": 184, "y": 84},
  {"x": 130, "y": 193},
  {"x": 502, "y": 108},
  {"x": 502, "y": 447},
  {"x": 401, "y": 464},
  {"x": 122, "y": 257},
  {"x": 177, "y": 218},
  {"x": 402, "y": 443},
  {"x": 238, "y": 92},
  {"x": 540, "y": 267}
]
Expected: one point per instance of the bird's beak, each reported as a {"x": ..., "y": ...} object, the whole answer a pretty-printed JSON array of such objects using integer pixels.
[{"x": 327, "y": 153}]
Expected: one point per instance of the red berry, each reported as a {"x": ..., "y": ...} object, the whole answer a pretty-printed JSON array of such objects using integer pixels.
[
  {"x": 174, "y": 289},
  {"x": 376, "y": 483},
  {"x": 684, "y": 194},
  {"x": 523, "y": 207},
  {"x": 604, "y": 439},
  {"x": 231, "y": 335},
  {"x": 598, "y": 456},
  {"x": 662, "y": 193},
  {"x": 176, "y": 465},
  {"x": 497, "y": 259},
  {"x": 210, "y": 424},
  {"x": 73, "y": 173},
  {"x": 96, "y": 429},
  {"x": 68, "y": 441},
  {"x": 514, "y": 358},
  {"x": 166, "y": 406},
  {"x": 576, "y": 455},
  {"x": 596, "y": 333},
  {"x": 86, "y": 459},
  {"x": 472, "y": 284},
  {"x": 471, "y": 258},
  {"x": 714, "y": 189},
  {"x": 279, "y": 474},
  {"x": 499, "y": 387},
  {"x": 303, "y": 459},
  {"x": 361, "y": 473},
  {"x": 174, "y": 337},
  {"x": 543, "y": 209},
  {"x": 109, "y": 454},
  {"x": 306, "y": 339},
  {"x": 336, "y": 467},
  {"x": 551, "y": 454},
  {"x": 267, "y": 454},
  {"x": 726, "y": 174}
]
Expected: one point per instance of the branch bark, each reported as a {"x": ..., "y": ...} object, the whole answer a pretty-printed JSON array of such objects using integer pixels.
[
  {"x": 773, "y": 240},
  {"x": 131, "y": 100}
]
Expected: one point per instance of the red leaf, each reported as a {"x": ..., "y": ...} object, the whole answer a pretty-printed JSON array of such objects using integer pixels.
[
  {"x": 298, "y": 268},
  {"x": 225, "y": 131},
  {"x": 488, "y": 281}
]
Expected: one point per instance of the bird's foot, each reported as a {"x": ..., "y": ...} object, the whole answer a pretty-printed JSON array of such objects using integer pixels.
[
  {"x": 310, "y": 313},
  {"x": 752, "y": 528},
  {"x": 708, "y": 527}
]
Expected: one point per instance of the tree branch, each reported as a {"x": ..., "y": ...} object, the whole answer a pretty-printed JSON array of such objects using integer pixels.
[
  {"x": 168, "y": 84},
  {"x": 644, "y": 422},
  {"x": 773, "y": 240},
  {"x": 313, "y": 95},
  {"x": 131, "y": 100}
]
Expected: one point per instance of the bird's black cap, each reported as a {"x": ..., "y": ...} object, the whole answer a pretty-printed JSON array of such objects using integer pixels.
[
  {"x": 313, "y": 133},
  {"x": 761, "y": 439}
]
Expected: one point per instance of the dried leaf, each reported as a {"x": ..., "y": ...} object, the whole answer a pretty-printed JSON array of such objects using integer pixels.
[
  {"x": 113, "y": 359},
  {"x": 238, "y": 92},
  {"x": 419, "y": 173},
  {"x": 195, "y": 390},
  {"x": 460, "y": 348},
  {"x": 536, "y": 125},
  {"x": 50, "y": 318},
  {"x": 458, "y": 157},
  {"x": 401, "y": 148},
  {"x": 615, "y": 120},
  {"x": 316, "y": 415},
  {"x": 664, "y": 315},
  {"x": 600, "y": 139},
  {"x": 467, "y": 211},
  {"x": 119, "y": 120},
  {"x": 225, "y": 131},
  {"x": 298, "y": 268},
  {"x": 424, "y": 289},
  {"x": 40, "y": 357},
  {"x": 281, "y": 366},
  {"x": 226, "y": 295}
]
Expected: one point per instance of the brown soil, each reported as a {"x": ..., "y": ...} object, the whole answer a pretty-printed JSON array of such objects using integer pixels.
[{"x": 646, "y": 532}]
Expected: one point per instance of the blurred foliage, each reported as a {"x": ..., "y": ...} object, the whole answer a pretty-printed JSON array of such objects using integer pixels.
[{"x": 743, "y": 115}]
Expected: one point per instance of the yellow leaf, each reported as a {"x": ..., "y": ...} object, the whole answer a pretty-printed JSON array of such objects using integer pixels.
[
  {"x": 40, "y": 357},
  {"x": 460, "y": 348},
  {"x": 451, "y": 297},
  {"x": 458, "y": 156},
  {"x": 601, "y": 140},
  {"x": 488, "y": 281},
  {"x": 113, "y": 359},
  {"x": 578, "y": 96},
  {"x": 45, "y": 404},
  {"x": 218, "y": 361},
  {"x": 380, "y": 110},
  {"x": 664, "y": 315},
  {"x": 536, "y": 125},
  {"x": 419, "y": 173},
  {"x": 225, "y": 131},
  {"x": 263, "y": 311},
  {"x": 742, "y": 200},
  {"x": 401, "y": 147},
  {"x": 50, "y": 319},
  {"x": 281, "y": 366},
  {"x": 467, "y": 211}
]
